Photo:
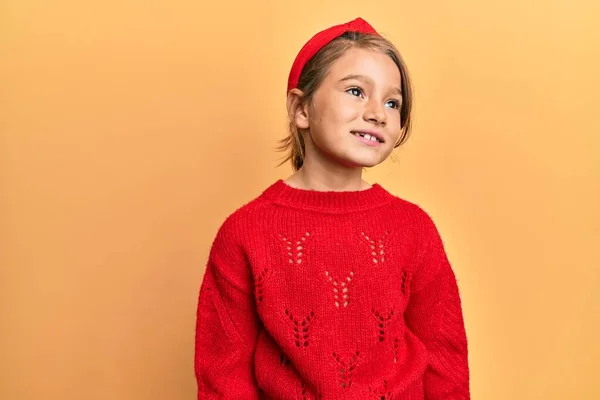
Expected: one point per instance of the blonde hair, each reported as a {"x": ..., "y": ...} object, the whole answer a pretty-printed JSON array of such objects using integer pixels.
[{"x": 315, "y": 71}]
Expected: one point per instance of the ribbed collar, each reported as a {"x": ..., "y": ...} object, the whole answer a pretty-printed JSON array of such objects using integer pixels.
[{"x": 333, "y": 202}]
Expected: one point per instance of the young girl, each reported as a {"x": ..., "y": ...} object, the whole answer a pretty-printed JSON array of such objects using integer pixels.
[{"x": 325, "y": 286}]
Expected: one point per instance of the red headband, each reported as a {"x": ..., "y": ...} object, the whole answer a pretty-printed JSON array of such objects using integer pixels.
[{"x": 318, "y": 41}]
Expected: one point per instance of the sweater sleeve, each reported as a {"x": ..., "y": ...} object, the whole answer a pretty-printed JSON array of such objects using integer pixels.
[
  {"x": 226, "y": 324},
  {"x": 434, "y": 315}
]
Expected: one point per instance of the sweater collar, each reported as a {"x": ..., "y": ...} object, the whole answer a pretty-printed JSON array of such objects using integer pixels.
[{"x": 334, "y": 202}]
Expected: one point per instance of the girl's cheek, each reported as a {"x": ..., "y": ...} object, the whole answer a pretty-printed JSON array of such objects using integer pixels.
[
  {"x": 350, "y": 112},
  {"x": 394, "y": 120}
]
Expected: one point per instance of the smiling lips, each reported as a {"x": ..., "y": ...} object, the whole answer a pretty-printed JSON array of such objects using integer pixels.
[{"x": 370, "y": 138}]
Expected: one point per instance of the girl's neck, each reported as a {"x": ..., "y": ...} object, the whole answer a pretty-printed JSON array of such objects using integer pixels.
[{"x": 318, "y": 177}]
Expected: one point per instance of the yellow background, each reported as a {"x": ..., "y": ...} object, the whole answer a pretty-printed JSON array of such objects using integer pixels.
[{"x": 130, "y": 129}]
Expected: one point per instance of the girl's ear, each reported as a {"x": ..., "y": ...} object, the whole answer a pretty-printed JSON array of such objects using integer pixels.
[{"x": 297, "y": 109}]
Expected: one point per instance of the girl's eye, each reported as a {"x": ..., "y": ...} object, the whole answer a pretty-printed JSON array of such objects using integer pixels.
[
  {"x": 355, "y": 91},
  {"x": 394, "y": 104}
]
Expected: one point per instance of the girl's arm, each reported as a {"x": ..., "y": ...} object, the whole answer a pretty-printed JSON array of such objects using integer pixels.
[
  {"x": 434, "y": 314},
  {"x": 227, "y": 324}
]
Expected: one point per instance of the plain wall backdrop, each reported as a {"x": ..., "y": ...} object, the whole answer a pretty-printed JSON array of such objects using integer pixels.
[{"x": 130, "y": 129}]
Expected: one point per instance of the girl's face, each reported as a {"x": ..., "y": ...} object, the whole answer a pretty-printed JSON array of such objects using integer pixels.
[{"x": 354, "y": 118}]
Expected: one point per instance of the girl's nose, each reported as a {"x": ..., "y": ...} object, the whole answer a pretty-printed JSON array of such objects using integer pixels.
[{"x": 375, "y": 113}]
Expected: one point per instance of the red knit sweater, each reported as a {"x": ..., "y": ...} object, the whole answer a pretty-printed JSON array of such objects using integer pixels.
[{"x": 330, "y": 295}]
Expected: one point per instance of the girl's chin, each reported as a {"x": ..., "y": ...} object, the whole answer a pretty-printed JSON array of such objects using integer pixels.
[
  {"x": 354, "y": 158},
  {"x": 359, "y": 163}
]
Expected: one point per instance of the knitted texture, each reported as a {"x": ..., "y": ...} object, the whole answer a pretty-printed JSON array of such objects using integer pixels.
[{"x": 330, "y": 295}]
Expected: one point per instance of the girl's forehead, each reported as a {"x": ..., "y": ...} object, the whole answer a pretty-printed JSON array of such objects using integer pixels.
[
  {"x": 365, "y": 62},
  {"x": 356, "y": 57}
]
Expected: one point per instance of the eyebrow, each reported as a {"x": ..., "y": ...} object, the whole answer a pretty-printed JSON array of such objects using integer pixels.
[{"x": 368, "y": 80}]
